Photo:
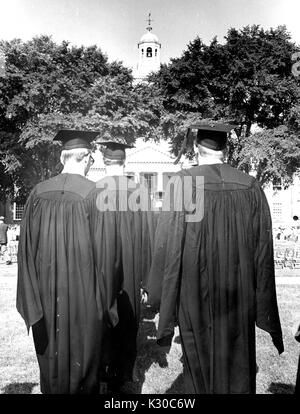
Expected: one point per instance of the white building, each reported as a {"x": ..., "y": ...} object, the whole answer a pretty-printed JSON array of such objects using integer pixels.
[
  {"x": 284, "y": 203},
  {"x": 147, "y": 161},
  {"x": 154, "y": 162},
  {"x": 148, "y": 55}
]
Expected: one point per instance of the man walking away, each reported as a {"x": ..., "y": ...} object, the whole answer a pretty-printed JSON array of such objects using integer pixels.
[
  {"x": 57, "y": 293},
  {"x": 134, "y": 241},
  {"x": 297, "y": 388},
  {"x": 215, "y": 273}
]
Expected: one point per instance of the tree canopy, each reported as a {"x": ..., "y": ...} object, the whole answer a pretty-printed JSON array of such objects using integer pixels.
[
  {"x": 48, "y": 86},
  {"x": 247, "y": 79}
]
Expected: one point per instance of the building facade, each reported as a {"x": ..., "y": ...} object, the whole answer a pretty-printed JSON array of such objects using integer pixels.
[
  {"x": 284, "y": 203},
  {"x": 147, "y": 162}
]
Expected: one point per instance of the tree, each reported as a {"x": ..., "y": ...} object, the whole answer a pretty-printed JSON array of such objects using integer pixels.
[
  {"x": 260, "y": 86},
  {"x": 184, "y": 84},
  {"x": 274, "y": 155},
  {"x": 47, "y": 87},
  {"x": 247, "y": 80}
]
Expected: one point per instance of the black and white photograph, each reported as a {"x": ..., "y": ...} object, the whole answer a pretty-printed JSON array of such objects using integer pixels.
[{"x": 150, "y": 199}]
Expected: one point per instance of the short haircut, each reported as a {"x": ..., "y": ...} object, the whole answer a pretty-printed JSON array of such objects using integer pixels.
[
  {"x": 108, "y": 161},
  {"x": 76, "y": 154},
  {"x": 207, "y": 152}
]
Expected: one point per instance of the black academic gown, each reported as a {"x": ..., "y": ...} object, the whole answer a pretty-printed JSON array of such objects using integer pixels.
[
  {"x": 216, "y": 278},
  {"x": 57, "y": 293},
  {"x": 133, "y": 247},
  {"x": 297, "y": 386}
]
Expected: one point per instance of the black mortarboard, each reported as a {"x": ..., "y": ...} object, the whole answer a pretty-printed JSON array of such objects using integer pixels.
[
  {"x": 114, "y": 149},
  {"x": 212, "y": 136},
  {"x": 72, "y": 139}
]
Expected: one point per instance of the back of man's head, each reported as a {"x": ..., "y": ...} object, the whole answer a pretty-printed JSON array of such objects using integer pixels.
[
  {"x": 207, "y": 153},
  {"x": 112, "y": 162},
  {"x": 75, "y": 155},
  {"x": 210, "y": 153}
]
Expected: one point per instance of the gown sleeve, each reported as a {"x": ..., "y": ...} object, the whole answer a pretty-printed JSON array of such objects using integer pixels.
[
  {"x": 105, "y": 235},
  {"x": 164, "y": 277},
  {"x": 143, "y": 230},
  {"x": 297, "y": 334},
  {"x": 267, "y": 315},
  {"x": 28, "y": 295},
  {"x": 147, "y": 219}
]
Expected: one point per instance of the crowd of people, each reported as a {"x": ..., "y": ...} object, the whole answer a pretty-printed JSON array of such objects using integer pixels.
[
  {"x": 90, "y": 253},
  {"x": 281, "y": 234},
  {"x": 286, "y": 233}
]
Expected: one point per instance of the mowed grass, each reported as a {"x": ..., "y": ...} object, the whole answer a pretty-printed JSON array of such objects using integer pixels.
[{"x": 156, "y": 372}]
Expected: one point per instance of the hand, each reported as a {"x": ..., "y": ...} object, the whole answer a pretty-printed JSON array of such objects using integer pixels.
[{"x": 144, "y": 296}]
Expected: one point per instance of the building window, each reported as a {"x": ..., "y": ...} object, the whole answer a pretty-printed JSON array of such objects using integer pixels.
[
  {"x": 150, "y": 180},
  {"x": 277, "y": 184},
  {"x": 155, "y": 52},
  {"x": 149, "y": 52},
  {"x": 166, "y": 177},
  {"x": 18, "y": 211},
  {"x": 277, "y": 210}
]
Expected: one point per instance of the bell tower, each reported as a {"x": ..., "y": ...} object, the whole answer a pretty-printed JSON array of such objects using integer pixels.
[{"x": 148, "y": 53}]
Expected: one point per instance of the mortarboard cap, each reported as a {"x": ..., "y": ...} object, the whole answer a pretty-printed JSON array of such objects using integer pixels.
[
  {"x": 114, "y": 149},
  {"x": 212, "y": 136},
  {"x": 72, "y": 139}
]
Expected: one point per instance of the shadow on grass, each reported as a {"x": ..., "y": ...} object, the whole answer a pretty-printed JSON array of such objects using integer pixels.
[
  {"x": 148, "y": 350},
  {"x": 177, "y": 386},
  {"x": 19, "y": 388},
  {"x": 281, "y": 388}
]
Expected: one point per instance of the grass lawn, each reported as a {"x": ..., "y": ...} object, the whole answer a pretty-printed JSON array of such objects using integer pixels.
[{"x": 156, "y": 372}]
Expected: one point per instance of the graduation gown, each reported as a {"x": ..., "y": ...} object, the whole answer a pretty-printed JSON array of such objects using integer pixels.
[
  {"x": 133, "y": 247},
  {"x": 297, "y": 386},
  {"x": 216, "y": 278},
  {"x": 57, "y": 292}
]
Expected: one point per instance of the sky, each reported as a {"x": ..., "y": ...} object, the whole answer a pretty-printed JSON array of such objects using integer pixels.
[{"x": 116, "y": 26}]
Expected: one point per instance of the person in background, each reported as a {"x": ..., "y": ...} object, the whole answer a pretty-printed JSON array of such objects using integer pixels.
[
  {"x": 213, "y": 269},
  {"x": 58, "y": 294},
  {"x": 134, "y": 241},
  {"x": 4, "y": 241}
]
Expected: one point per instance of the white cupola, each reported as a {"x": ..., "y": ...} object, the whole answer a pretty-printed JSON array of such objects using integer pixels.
[{"x": 148, "y": 53}]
